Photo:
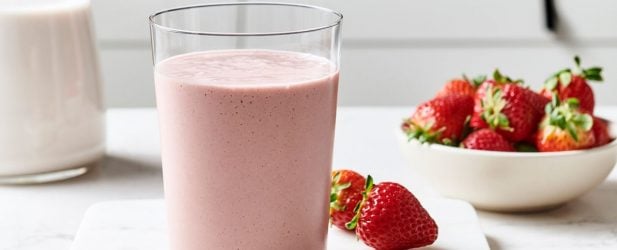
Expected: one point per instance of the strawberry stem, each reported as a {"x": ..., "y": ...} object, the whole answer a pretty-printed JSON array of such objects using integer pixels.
[{"x": 577, "y": 61}]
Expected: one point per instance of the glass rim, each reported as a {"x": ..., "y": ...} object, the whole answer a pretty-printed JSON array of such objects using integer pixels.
[{"x": 337, "y": 21}]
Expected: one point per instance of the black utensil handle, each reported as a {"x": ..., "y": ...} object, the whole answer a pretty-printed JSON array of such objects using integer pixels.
[{"x": 550, "y": 13}]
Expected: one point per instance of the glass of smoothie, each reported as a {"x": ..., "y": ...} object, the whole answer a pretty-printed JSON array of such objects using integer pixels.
[{"x": 246, "y": 95}]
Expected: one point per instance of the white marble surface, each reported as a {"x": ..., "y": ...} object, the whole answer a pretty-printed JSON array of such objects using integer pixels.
[
  {"x": 140, "y": 224},
  {"x": 47, "y": 216}
]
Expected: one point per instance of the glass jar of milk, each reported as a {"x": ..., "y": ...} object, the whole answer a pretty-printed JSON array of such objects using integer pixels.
[{"x": 51, "y": 112}]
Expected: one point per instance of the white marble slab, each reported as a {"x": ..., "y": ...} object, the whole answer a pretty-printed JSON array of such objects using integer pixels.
[
  {"x": 46, "y": 217},
  {"x": 140, "y": 224}
]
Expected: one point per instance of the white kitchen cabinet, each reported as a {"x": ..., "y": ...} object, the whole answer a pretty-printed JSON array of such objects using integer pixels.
[
  {"x": 589, "y": 20},
  {"x": 398, "y": 52}
]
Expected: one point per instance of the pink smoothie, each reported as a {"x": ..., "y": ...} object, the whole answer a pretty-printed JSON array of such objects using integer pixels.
[{"x": 247, "y": 147}]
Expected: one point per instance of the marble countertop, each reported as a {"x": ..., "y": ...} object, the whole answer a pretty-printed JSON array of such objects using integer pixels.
[{"x": 47, "y": 216}]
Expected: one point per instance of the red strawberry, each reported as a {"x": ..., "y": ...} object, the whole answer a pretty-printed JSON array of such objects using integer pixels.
[
  {"x": 345, "y": 193},
  {"x": 576, "y": 88},
  {"x": 508, "y": 111},
  {"x": 497, "y": 82},
  {"x": 441, "y": 120},
  {"x": 568, "y": 83},
  {"x": 476, "y": 120},
  {"x": 486, "y": 139},
  {"x": 538, "y": 103},
  {"x": 460, "y": 86},
  {"x": 391, "y": 218},
  {"x": 600, "y": 132},
  {"x": 565, "y": 127}
]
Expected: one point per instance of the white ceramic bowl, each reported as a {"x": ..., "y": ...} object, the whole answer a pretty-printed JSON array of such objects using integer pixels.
[{"x": 507, "y": 181}]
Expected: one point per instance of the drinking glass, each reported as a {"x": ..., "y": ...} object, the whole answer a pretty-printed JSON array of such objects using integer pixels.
[{"x": 246, "y": 95}]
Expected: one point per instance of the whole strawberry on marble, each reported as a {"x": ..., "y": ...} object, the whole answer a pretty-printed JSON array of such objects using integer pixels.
[{"x": 391, "y": 218}]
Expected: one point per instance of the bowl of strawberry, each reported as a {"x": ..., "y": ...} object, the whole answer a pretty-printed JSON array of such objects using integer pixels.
[{"x": 504, "y": 147}]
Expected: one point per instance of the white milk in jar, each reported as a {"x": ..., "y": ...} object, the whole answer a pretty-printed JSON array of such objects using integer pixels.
[{"x": 51, "y": 113}]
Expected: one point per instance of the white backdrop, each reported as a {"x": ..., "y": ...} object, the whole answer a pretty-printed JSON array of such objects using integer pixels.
[{"x": 397, "y": 52}]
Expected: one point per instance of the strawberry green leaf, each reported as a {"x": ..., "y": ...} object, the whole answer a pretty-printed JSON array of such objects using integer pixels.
[
  {"x": 345, "y": 185},
  {"x": 351, "y": 225},
  {"x": 594, "y": 70},
  {"x": 586, "y": 122},
  {"x": 551, "y": 83},
  {"x": 335, "y": 189},
  {"x": 424, "y": 134},
  {"x": 503, "y": 121},
  {"x": 357, "y": 207},
  {"x": 336, "y": 206},
  {"x": 548, "y": 108},
  {"x": 557, "y": 118},
  {"x": 565, "y": 78},
  {"x": 337, "y": 177},
  {"x": 572, "y": 131},
  {"x": 333, "y": 198},
  {"x": 498, "y": 77},
  {"x": 368, "y": 186},
  {"x": 559, "y": 121},
  {"x": 573, "y": 103},
  {"x": 554, "y": 99},
  {"x": 478, "y": 80},
  {"x": 594, "y": 74}
]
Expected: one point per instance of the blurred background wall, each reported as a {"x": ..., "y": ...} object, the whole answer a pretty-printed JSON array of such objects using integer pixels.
[{"x": 398, "y": 52}]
